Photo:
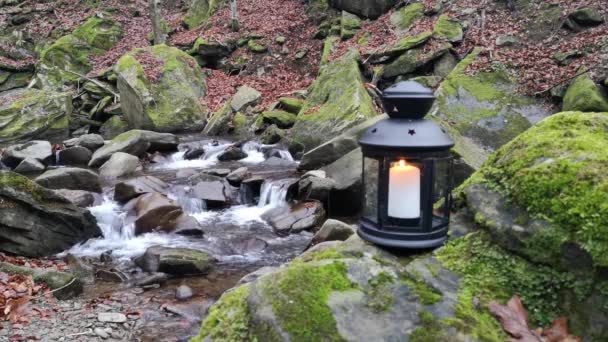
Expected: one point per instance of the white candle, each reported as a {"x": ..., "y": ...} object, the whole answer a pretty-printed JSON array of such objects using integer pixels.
[{"x": 404, "y": 191}]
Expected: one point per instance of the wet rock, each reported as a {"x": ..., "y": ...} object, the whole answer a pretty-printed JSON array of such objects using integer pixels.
[
  {"x": 187, "y": 225},
  {"x": 79, "y": 198},
  {"x": 76, "y": 155},
  {"x": 315, "y": 188},
  {"x": 272, "y": 135},
  {"x": 232, "y": 153},
  {"x": 277, "y": 162},
  {"x": 29, "y": 165},
  {"x": 333, "y": 230},
  {"x": 250, "y": 189},
  {"x": 111, "y": 275},
  {"x": 111, "y": 317},
  {"x": 39, "y": 150},
  {"x": 175, "y": 261},
  {"x": 80, "y": 268},
  {"x": 236, "y": 177},
  {"x": 90, "y": 141},
  {"x": 183, "y": 292},
  {"x": 154, "y": 278},
  {"x": 70, "y": 178},
  {"x": 194, "y": 153},
  {"x": 135, "y": 142},
  {"x": 69, "y": 285},
  {"x": 127, "y": 190},
  {"x": 119, "y": 165},
  {"x": 217, "y": 172},
  {"x": 299, "y": 217},
  {"x": 214, "y": 193},
  {"x": 252, "y": 245},
  {"x": 155, "y": 212}
]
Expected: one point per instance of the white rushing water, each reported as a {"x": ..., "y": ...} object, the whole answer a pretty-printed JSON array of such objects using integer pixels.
[{"x": 119, "y": 237}]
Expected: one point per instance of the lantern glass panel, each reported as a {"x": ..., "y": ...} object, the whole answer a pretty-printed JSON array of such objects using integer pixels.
[
  {"x": 371, "y": 171},
  {"x": 441, "y": 191},
  {"x": 404, "y": 187}
]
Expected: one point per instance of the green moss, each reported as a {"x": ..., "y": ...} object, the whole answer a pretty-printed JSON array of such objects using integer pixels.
[
  {"x": 556, "y": 171},
  {"x": 449, "y": 28},
  {"x": 99, "y": 33},
  {"x": 280, "y": 118},
  {"x": 380, "y": 297},
  {"x": 490, "y": 273},
  {"x": 328, "y": 47},
  {"x": 405, "y": 17},
  {"x": 291, "y": 104},
  {"x": 409, "y": 42},
  {"x": 430, "y": 329},
  {"x": 257, "y": 47},
  {"x": 302, "y": 311},
  {"x": 23, "y": 185},
  {"x": 364, "y": 40},
  {"x": 413, "y": 59},
  {"x": 586, "y": 96},
  {"x": 201, "y": 10},
  {"x": 426, "y": 294},
  {"x": 228, "y": 320}
]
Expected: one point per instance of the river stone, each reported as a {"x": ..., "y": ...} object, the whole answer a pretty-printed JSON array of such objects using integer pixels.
[
  {"x": 183, "y": 292},
  {"x": 155, "y": 212},
  {"x": 76, "y": 155},
  {"x": 36, "y": 222},
  {"x": 213, "y": 192},
  {"x": 70, "y": 178},
  {"x": 367, "y": 296},
  {"x": 175, "y": 261},
  {"x": 135, "y": 142},
  {"x": 337, "y": 101},
  {"x": 111, "y": 317},
  {"x": 317, "y": 188},
  {"x": 245, "y": 96},
  {"x": 29, "y": 165},
  {"x": 367, "y": 8},
  {"x": 232, "y": 153},
  {"x": 119, "y": 165},
  {"x": 169, "y": 104},
  {"x": 132, "y": 188},
  {"x": 37, "y": 149},
  {"x": 79, "y": 198},
  {"x": 90, "y": 141},
  {"x": 236, "y": 177},
  {"x": 337, "y": 147},
  {"x": 251, "y": 245},
  {"x": 34, "y": 114},
  {"x": 483, "y": 112},
  {"x": 294, "y": 219},
  {"x": 333, "y": 230},
  {"x": 66, "y": 285},
  {"x": 194, "y": 153}
]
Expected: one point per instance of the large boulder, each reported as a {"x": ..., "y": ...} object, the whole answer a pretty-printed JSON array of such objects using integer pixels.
[
  {"x": 70, "y": 178},
  {"x": 36, "y": 222},
  {"x": 132, "y": 188},
  {"x": 79, "y": 198},
  {"x": 337, "y": 101},
  {"x": 76, "y": 155},
  {"x": 166, "y": 99},
  {"x": 175, "y": 261},
  {"x": 544, "y": 194},
  {"x": 90, "y": 141},
  {"x": 68, "y": 57},
  {"x": 484, "y": 111},
  {"x": 119, "y": 165},
  {"x": 346, "y": 194},
  {"x": 34, "y": 113},
  {"x": 367, "y": 8},
  {"x": 39, "y": 150},
  {"x": 586, "y": 96},
  {"x": 333, "y": 230},
  {"x": 134, "y": 142},
  {"x": 155, "y": 212}
]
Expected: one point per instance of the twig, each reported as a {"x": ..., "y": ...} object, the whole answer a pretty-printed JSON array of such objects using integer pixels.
[
  {"x": 566, "y": 79},
  {"x": 80, "y": 333},
  {"x": 55, "y": 290},
  {"x": 95, "y": 82}
]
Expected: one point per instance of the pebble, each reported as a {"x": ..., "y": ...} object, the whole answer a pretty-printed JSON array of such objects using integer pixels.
[
  {"x": 111, "y": 317},
  {"x": 101, "y": 333},
  {"x": 183, "y": 292}
]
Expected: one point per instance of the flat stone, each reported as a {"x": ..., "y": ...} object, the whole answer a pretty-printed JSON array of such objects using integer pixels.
[
  {"x": 111, "y": 317},
  {"x": 29, "y": 165},
  {"x": 70, "y": 178},
  {"x": 244, "y": 96}
]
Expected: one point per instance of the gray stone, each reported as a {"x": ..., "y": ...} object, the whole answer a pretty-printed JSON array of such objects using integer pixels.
[
  {"x": 101, "y": 333},
  {"x": 294, "y": 219},
  {"x": 366, "y": 8},
  {"x": 183, "y": 292},
  {"x": 79, "y": 198},
  {"x": 155, "y": 212},
  {"x": 90, "y": 141},
  {"x": 212, "y": 192},
  {"x": 175, "y": 261},
  {"x": 38, "y": 149},
  {"x": 245, "y": 96},
  {"x": 237, "y": 176},
  {"x": 154, "y": 278},
  {"x": 232, "y": 153},
  {"x": 135, "y": 142},
  {"x": 507, "y": 40},
  {"x": 29, "y": 165},
  {"x": 132, "y": 188},
  {"x": 76, "y": 155},
  {"x": 315, "y": 188},
  {"x": 347, "y": 191},
  {"x": 66, "y": 285},
  {"x": 444, "y": 65},
  {"x": 111, "y": 317},
  {"x": 70, "y": 178},
  {"x": 120, "y": 164},
  {"x": 333, "y": 230}
]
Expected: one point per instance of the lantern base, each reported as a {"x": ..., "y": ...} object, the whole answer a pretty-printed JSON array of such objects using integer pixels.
[{"x": 402, "y": 239}]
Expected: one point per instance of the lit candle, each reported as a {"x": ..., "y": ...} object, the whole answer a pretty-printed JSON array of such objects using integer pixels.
[{"x": 404, "y": 191}]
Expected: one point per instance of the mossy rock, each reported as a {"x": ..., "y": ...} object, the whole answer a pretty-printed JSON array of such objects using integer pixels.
[
  {"x": 72, "y": 52},
  {"x": 11, "y": 80},
  {"x": 280, "y": 118},
  {"x": 272, "y": 135},
  {"x": 448, "y": 28},
  {"x": 115, "y": 126},
  {"x": 349, "y": 24},
  {"x": 169, "y": 103},
  {"x": 291, "y": 104},
  {"x": 257, "y": 47},
  {"x": 201, "y": 10},
  {"x": 586, "y": 96},
  {"x": 350, "y": 283},
  {"x": 544, "y": 194},
  {"x": 337, "y": 101},
  {"x": 407, "y": 43},
  {"x": 26, "y": 114},
  {"x": 484, "y": 111},
  {"x": 414, "y": 59},
  {"x": 405, "y": 18},
  {"x": 66, "y": 284}
]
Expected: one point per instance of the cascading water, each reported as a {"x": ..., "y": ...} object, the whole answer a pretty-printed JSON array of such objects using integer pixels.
[{"x": 274, "y": 193}]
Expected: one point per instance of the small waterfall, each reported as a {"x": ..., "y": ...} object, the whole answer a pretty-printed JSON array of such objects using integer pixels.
[
  {"x": 190, "y": 205},
  {"x": 274, "y": 193},
  {"x": 285, "y": 155},
  {"x": 111, "y": 220}
]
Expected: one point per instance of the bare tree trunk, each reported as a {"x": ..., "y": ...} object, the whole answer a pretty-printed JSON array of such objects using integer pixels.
[
  {"x": 234, "y": 15},
  {"x": 157, "y": 19}
]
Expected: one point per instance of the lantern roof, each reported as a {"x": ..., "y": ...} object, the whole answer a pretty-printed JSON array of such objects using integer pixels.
[
  {"x": 419, "y": 135},
  {"x": 407, "y": 89}
]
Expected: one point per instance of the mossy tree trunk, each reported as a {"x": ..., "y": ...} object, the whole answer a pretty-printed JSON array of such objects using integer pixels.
[{"x": 156, "y": 18}]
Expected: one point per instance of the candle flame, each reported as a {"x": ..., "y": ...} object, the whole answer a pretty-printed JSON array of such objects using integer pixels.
[{"x": 402, "y": 163}]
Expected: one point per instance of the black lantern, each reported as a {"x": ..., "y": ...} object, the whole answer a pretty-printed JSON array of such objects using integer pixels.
[{"x": 407, "y": 173}]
